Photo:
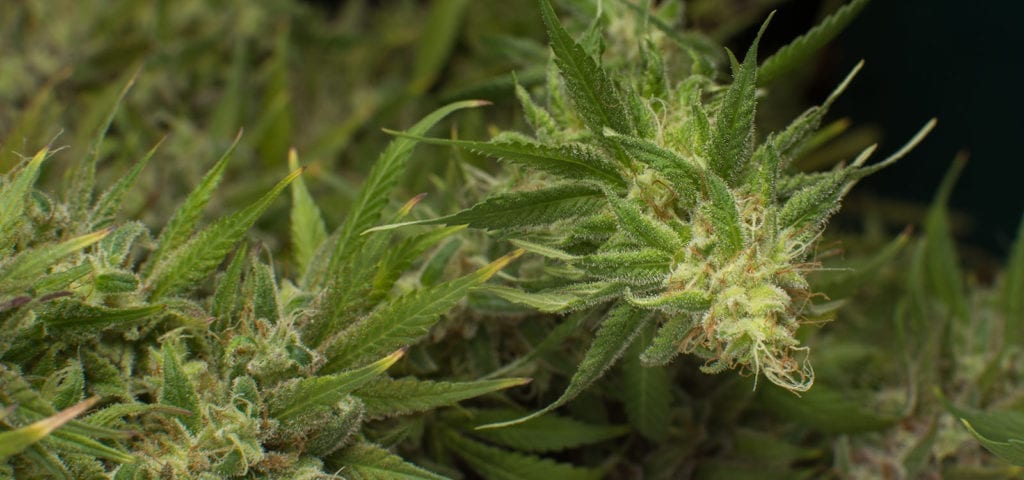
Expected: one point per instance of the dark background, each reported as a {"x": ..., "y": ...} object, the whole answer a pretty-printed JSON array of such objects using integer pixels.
[{"x": 957, "y": 61}]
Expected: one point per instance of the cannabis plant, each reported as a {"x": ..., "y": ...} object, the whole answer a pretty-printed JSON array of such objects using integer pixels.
[
  {"x": 249, "y": 375},
  {"x": 654, "y": 199}
]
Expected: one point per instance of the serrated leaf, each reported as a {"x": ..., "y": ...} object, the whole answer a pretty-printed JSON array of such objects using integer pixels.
[
  {"x": 521, "y": 209},
  {"x": 105, "y": 211},
  {"x": 366, "y": 461},
  {"x": 798, "y": 52},
  {"x": 498, "y": 464},
  {"x": 262, "y": 292},
  {"x": 308, "y": 229},
  {"x": 107, "y": 416},
  {"x": 80, "y": 180},
  {"x": 14, "y": 194},
  {"x": 825, "y": 409},
  {"x": 799, "y": 131},
  {"x": 642, "y": 228},
  {"x": 548, "y": 301},
  {"x": 1000, "y": 432},
  {"x": 645, "y": 391},
  {"x": 543, "y": 250},
  {"x": 618, "y": 330},
  {"x": 373, "y": 197},
  {"x": 116, "y": 282},
  {"x": 944, "y": 274},
  {"x": 732, "y": 139},
  {"x": 404, "y": 320},
  {"x": 66, "y": 386},
  {"x": 15, "y": 441},
  {"x": 593, "y": 92},
  {"x": 225, "y": 296},
  {"x": 539, "y": 119},
  {"x": 177, "y": 389},
  {"x": 571, "y": 161},
  {"x": 183, "y": 222},
  {"x": 665, "y": 345},
  {"x": 725, "y": 219},
  {"x": 677, "y": 300},
  {"x": 634, "y": 267},
  {"x": 32, "y": 263},
  {"x": 292, "y": 401},
  {"x": 550, "y": 433},
  {"x": 196, "y": 259},
  {"x": 684, "y": 175},
  {"x": 386, "y": 397}
]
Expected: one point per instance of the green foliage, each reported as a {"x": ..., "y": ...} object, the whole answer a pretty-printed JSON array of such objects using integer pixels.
[
  {"x": 242, "y": 395},
  {"x": 656, "y": 231},
  {"x": 701, "y": 229}
]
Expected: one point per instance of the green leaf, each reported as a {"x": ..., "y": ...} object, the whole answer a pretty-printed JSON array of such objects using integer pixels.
[
  {"x": 226, "y": 294},
  {"x": 1000, "y": 432},
  {"x": 116, "y": 282},
  {"x": 547, "y": 301},
  {"x": 665, "y": 345},
  {"x": 593, "y": 92},
  {"x": 197, "y": 258},
  {"x": 105, "y": 211},
  {"x": 846, "y": 282},
  {"x": 366, "y": 461},
  {"x": 725, "y": 219},
  {"x": 522, "y": 209},
  {"x": 15, "y": 441},
  {"x": 634, "y": 267},
  {"x": 645, "y": 391},
  {"x": 732, "y": 140},
  {"x": 13, "y": 196},
  {"x": 551, "y": 342},
  {"x": 434, "y": 268},
  {"x": 108, "y": 416},
  {"x": 74, "y": 315},
  {"x": 944, "y": 274},
  {"x": 435, "y": 44},
  {"x": 262, "y": 292},
  {"x": 290, "y": 402},
  {"x": 798, "y": 52},
  {"x": 498, "y": 464},
  {"x": 404, "y": 320},
  {"x": 386, "y": 397},
  {"x": 177, "y": 389},
  {"x": 789, "y": 141},
  {"x": 571, "y": 161},
  {"x": 550, "y": 433},
  {"x": 25, "y": 267},
  {"x": 81, "y": 178},
  {"x": 183, "y": 222},
  {"x": 539, "y": 119},
  {"x": 642, "y": 228},
  {"x": 825, "y": 409},
  {"x": 398, "y": 260},
  {"x": 308, "y": 229},
  {"x": 618, "y": 330},
  {"x": 677, "y": 301},
  {"x": 1013, "y": 289},
  {"x": 683, "y": 174},
  {"x": 373, "y": 197}
]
